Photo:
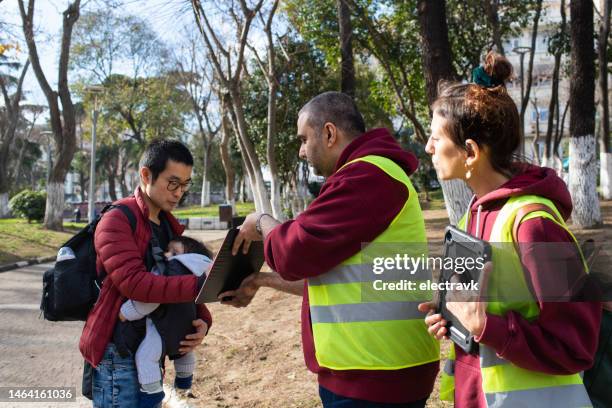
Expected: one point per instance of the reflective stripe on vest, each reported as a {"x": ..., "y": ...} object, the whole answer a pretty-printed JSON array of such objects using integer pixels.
[
  {"x": 505, "y": 384},
  {"x": 383, "y": 333}
]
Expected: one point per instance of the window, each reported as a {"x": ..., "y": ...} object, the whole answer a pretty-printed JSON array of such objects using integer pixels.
[{"x": 543, "y": 114}]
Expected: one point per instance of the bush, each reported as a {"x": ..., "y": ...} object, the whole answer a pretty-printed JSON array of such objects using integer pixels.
[{"x": 29, "y": 204}]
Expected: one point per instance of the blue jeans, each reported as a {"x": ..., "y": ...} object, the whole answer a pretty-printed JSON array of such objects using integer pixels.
[
  {"x": 332, "y": 400},
  {"x": 115, "y": 381}
]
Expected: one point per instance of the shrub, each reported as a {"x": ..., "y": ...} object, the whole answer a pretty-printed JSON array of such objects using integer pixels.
[{"x": 29, "y": 204}]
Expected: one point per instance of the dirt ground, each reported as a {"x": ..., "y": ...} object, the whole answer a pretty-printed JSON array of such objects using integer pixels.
[{"x": 253, "y": 356}]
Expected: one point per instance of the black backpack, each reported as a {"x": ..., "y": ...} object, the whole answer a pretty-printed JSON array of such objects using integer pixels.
[{"x": 72, "y": 286}]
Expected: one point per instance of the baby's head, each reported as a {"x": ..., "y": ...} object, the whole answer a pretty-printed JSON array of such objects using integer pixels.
[{"x": 185, "y": 245}]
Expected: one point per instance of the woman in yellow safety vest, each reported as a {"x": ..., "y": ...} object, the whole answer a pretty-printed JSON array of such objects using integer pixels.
[{"x": 534, "y": 341}]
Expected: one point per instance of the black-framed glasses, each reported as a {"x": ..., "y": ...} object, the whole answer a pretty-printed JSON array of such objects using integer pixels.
[{"x": 173, "y": 185}]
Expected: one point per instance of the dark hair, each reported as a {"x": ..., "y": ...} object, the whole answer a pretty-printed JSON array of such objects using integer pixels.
[
  {"x": 337, "y": 108},
  {"x": 488, "y": 116},
  {"x": 193, "y": 246},
  {"x": 159, "y": 151},
  {"x": 498, "y": 67}
]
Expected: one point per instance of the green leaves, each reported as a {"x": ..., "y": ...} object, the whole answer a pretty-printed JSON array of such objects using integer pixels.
[{"x": 29, "y": 204}]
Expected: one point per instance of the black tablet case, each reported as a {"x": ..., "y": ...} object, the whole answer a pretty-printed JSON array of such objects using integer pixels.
[
  {"x": 228, "y": 271},
  {"x": 458, "y": 243}
]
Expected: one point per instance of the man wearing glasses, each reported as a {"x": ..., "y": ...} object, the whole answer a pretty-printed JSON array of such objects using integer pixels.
[{"x": 123, "y": 254}]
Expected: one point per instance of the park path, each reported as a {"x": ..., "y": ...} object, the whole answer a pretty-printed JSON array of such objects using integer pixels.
[{"x": 35, "y": 352}]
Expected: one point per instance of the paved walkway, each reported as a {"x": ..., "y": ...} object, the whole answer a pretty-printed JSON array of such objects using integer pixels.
[
  {"x": 38, "y": 353},
  {"x": 34, "y": 352}
]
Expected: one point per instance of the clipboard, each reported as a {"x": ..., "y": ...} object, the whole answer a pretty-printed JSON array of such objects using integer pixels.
[
  {"x": 228, "y": 271},
  {"x": 458, "y": 243}
]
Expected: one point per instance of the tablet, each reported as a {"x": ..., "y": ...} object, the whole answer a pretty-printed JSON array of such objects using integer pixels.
[
  {"x": 228, "y": 271},
  {"x": 459, "y": 244}
]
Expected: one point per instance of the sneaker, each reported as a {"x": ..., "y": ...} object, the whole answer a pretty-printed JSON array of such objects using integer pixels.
[{"x": 178, "y": 398}]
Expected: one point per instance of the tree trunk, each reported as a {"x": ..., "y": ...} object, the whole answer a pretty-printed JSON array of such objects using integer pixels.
[
  {"x": 13, "y": 115},
  {"x": 205, "y": 195},
  {"x": 602, "y": 57},
  {"x": 124, "y": 163},
  {"x": 4, "y": 207},
  {"x": 231, "y": 82},
  {"x": 275, "y": 190},
  {"x": 554, "y": 106},
  {"x": 230, "y": 174},
  {"x": 605, "y": 175},
  {"x": 437, "y": 65},
  {"x": 536, "y": 139},
  {"x": 552, "y": 112},
  {"x": 82, "y": 183},
  {"x": 125, "y": 191},
  {"x": 262, "y": 203},
  {"x": 241, "y": 192},
  {"x": 437, "y": 55},
  {"x": 63, "y": 121},
  {"x": 111, "y": 186},
  {"x": 525, "y": 96},
  {"x": 583, "y": 171},
  {"x": 54, "y": 208},
  {"x": 491, "y": 9},
  {"x": 559, "y": 135},
  {"x": 346, "y": 49},
  {"x": 457, "y": 196},
  {"x": 246, "y": 163}
]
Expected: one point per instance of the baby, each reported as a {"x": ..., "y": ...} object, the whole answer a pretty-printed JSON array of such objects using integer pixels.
[{"x": 184, "y": 255}]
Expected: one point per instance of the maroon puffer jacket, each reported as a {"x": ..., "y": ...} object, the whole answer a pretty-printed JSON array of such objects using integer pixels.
[{"x": 121, "y": 254}]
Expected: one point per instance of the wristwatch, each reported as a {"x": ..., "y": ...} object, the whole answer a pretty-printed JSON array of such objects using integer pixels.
[{"x": 258, "y": 223}]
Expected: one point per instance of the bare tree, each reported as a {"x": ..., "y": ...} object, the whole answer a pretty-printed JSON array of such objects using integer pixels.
[
  {"x": 228, "y": 65},
  {"x": 230, "y": 174},
  {"x": 437, "y": 64},
  {"x": 36, "y": 111},
  {"x": 582, "y": 149},
  {"x": 529, "y": 75},
  {"x": 271, "y": 72},
  {"x": 534, "y": 143},
  {"x": 347, "y": 77},
  {"x": 437, "y": 55},
  {"x": 192, "y": 74},
  {"x": 491, "y": 9},
  {"x": 63, "y": 122},
  {"x": 13, "y": 115},
  {"x": 602, "y": 57},
  {"x": 559, "y": 131},
  {"x": 553, "y": 106}
]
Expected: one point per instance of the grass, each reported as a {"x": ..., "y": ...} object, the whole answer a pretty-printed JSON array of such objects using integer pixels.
[
  {"x": 74, "y": 225},
  {"x": 211, "y": 210},
  {"x": 20, "y": 240},
  {"x": 436, "y": 200}
]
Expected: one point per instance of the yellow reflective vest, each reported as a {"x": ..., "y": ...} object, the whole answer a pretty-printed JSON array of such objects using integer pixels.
[
  {"x": 503, "y": 383},
  {"x": 355, "y": 327}
]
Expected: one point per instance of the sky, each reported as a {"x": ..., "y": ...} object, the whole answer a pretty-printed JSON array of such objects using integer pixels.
[{"x": 166, "y": 17}]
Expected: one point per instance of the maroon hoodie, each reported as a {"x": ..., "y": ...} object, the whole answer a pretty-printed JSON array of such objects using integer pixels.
[
  {"x": 355, "y": 205},
  {"x": 563, "y": 339}
]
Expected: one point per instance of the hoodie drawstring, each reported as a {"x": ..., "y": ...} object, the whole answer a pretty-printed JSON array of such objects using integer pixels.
[
  {"x": 478, "y": 221},
  {"x": 469, "y": 213}
]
